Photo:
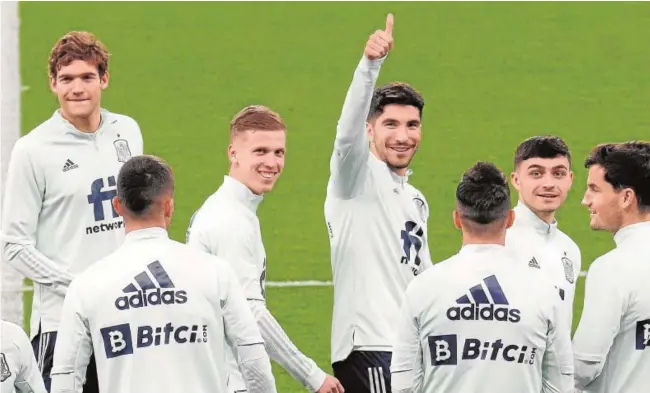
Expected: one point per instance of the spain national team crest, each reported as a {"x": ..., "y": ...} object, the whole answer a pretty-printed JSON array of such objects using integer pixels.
[
  {"x": 122, "y": 150},
  {"x": 568, "y": 269},
  {"x": 422, "y": 207},
  {"x": 5, "y": 372}
]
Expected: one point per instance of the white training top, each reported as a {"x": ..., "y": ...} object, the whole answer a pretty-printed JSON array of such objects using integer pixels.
[
  {"x": 545, "y": 247},
  {"x": 156, "y": 314},
  {"x": 19, "y": 371},
  {"x": 227, "y": 226},
  {"x": 612, "y": 343},
  {"x": 57, "y": 215},
  {"x": 481, "y": 321},
  {"x": 377, "y": 223}
]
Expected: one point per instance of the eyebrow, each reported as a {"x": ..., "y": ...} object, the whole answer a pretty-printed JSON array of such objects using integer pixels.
[
  {"x": 537, "y": 166},
  {"x": 82, "y": 75}
]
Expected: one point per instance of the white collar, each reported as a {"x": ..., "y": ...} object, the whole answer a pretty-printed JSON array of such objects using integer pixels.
[
  {"x": 476, "y": 248},
  {"x": 71, "y": 129},
  {"x": 146, "y": 233},
  {"x": 525, "y": 216},
  {"x": 241, "y": 193},
  {"x": 630, "y": 232},
  {"x": 397, "y": 179}
]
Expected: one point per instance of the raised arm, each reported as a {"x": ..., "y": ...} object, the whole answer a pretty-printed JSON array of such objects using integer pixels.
[
  {"x": 22, "y": 206},
  {"x": 351, "y": 150}
]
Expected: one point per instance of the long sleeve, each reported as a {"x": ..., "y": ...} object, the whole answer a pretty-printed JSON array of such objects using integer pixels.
[
  {"x": 243, "y": 333},
  {"x": 557, "y": 364},
  {"x": 284, "y": 352},
  {"x": 73, "y": 346},
  {"x": 599, "y": 324},
  {"x": 406, "y": 366},
  {"x": 29, "y": 379},
  {"x": 22, "y": 206},
  {"x": 351, "y": 150}
]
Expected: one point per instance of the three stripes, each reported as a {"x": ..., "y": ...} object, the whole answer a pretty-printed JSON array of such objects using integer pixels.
[{"x": 479, "y": 295}]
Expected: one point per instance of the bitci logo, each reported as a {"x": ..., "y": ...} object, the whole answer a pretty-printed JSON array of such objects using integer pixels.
[
  {"x": 118, "y": 339},
  {"x": 643, "y": 334},
  {"x": 445, "y": 351}
]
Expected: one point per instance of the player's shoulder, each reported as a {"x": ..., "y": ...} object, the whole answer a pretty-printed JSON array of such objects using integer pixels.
[
  {"x": 438, "y": 272},
  {"x": 123, "y": 121},
  {"x": 219, "y": 211},
  {"x": 610, "y": 264},
  {"x": 568, "y": 242},
  {"x": 203, "y": 261},
  {"x": 41, "y": 135},
  {"x": 10, "y": 329}
]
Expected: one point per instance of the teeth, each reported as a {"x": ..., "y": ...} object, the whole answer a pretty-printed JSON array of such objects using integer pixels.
[{"x": 267, "y": 175}]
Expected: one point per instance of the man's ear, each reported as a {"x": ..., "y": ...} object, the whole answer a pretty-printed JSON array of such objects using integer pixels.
[
  {"x": 117, "y": 206},
  {"x": 457, "y": 222}
]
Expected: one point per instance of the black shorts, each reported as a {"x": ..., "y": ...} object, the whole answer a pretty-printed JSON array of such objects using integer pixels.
[
  {"x": 43, "y": 346},
  {"x": 364, "y": 372}
]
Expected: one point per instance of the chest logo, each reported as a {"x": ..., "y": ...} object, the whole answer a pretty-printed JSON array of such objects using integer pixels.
[
  {"x": 122, "y": 150},
  {"x": 568, "y": 269},
  {"x": 422, "y": 208},
  {"x": 5, "y": 372}
]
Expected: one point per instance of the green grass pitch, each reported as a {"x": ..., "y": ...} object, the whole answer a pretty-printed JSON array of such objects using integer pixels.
[{"x": 492, "y": 74}]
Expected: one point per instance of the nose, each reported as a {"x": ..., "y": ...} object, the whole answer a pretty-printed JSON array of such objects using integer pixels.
[
  {"x": 401, "y": 135},
  {"x": 269, "y": 161},
  {"x": 77, "y": 86}
]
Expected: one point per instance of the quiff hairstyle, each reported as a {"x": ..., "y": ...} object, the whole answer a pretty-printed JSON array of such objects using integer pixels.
[
  {"x": 78, "y": 45},
  {"x": 256, "y": 118}
]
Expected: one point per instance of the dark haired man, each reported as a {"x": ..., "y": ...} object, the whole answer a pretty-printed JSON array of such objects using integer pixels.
[
  {"x": 542, "y": 176},
  {"x": 156, "y": 313},
  {"x": 375, "y": 218},
  {"x": 612, "y": 343},
  {"x": 481, "y": 321}
]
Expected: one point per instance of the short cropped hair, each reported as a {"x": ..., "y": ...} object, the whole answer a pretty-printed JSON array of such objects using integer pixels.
[
  {"x": 78, "y": 45},
  {"x": 256, "y": 118},
  {"x": 141, "y": 181},
  {"x": 544, "y": 146},
  {"x": 483, "y": 196},
  {"x": 626, "y": 165},
  {"x": 398, "y": 93}
]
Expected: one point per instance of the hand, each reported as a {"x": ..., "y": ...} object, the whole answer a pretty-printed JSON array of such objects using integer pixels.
[
  {"x": 331, "y": 385},
  {"x": 380, "y": 42}
]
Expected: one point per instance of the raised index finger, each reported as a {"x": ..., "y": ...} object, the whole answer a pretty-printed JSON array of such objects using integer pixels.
[{"x": 389, "y": 24}]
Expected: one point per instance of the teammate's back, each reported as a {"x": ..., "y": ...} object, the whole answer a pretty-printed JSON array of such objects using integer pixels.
[
  {"x": 156, "y": 313},
  {"x": 481, "y": 320},
  {"x": 176, "y": 322},
  {"x": 485, "y": 323}
]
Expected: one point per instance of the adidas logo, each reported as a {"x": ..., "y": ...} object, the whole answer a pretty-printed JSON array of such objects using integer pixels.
[
  {"x": 149, "y": 294},
  {"x": 533, "y": 263},
  {"x": 482, "y": 308},
  {"x": 69, "y": 165}
]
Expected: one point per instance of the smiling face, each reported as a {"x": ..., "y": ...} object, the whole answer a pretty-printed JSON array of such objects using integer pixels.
[
  {"x": 543, "y": 183},
  {"x": 603, "y": 201},
  {"x": 257, "y": 147},
  {"x": 257, "y": 159},
  {"x": 78, "y": 71},
  {"x": 395, "y": 135},
  {"x": 78, "y": 87}
]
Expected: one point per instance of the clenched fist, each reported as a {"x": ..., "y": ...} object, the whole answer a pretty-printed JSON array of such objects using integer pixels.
[{"x": 381, "y": 41}]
